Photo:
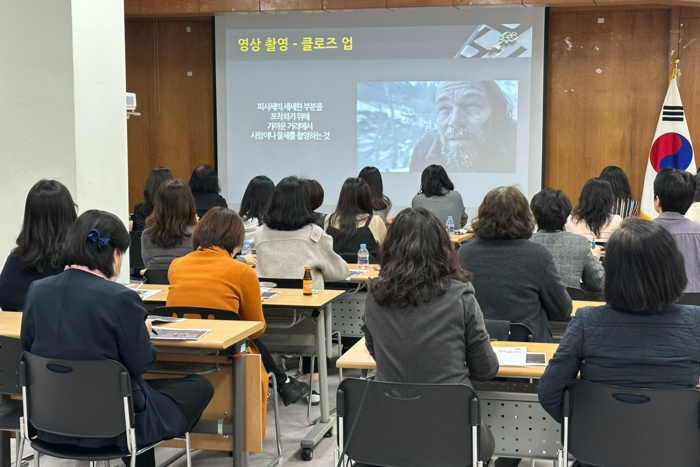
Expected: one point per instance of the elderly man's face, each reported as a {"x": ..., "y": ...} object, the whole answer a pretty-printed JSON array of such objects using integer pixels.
[{"x": 462, "y": 110}]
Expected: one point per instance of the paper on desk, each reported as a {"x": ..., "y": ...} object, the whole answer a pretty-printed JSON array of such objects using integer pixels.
[
  {"x": 355, "y": 273},
  {"x": 511, "y": 356},
  {"x": 145, "y": 294}
]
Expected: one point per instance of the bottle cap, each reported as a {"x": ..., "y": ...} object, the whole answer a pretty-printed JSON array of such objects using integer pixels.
[
  {"x": 246, "y": 242},
  {"x": 449, "y": 217},
  {"x": 307, "y": 267},
  {"x": 363, "y": 245}
]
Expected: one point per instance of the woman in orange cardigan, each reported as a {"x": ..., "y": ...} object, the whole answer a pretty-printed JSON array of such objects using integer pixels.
[{"x": 210, "y": 277}]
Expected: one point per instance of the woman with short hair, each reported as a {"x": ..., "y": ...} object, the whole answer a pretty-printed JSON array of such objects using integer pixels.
[
  {"x": 381, "y": 204},
  {"x": 204, "y": 183},
  {"x": 209, "y": 277},
  {"x": 82, "y": 314},
  {"x": 49, "y": 213},
  {"x": 353, "y": 224},
  {"x": 437, "y": 195},
  {"x": 169, "y": 228},
  {"x": 422, "y": 321},
  {"x": 315, "y": 192},
  {"x": 625, "y": 205},
  {"x": 641, "y": 338},
  {"x": 593, "y": 217},
  {"x": 144, "y": 208},
  {"x": 255, "y": 198},
  {"x": 515, "y": 279},
  {"x": 576, "y": 261}
]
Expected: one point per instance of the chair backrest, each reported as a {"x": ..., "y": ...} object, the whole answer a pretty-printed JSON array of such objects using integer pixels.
[
  {"x": 156, "y": 277},
  {"x": 619, "y": 427},
  {"x": 690, "y": 299},
  {"x": 10, "y": 353},
  {"x": 135, "y": 259},
  {"x": 498, "y": 329},
  {"x": 521, "y": 333},
  {"x": 285, "y": 283},
  {"x": 196, "y": 312},
  {"x": 576, "y": 294},
  {"x": 81, "y": 398},
  {"x": 408, "y": 425}
]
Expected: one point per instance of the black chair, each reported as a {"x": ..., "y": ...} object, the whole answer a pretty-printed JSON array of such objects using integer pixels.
[
  {"x": 498, "y": 329},
  {"x": 80, "y": 399},
  {"x": 156, "y": 277},
  {"x": 196, "y": 312},
  {"x": 11, "y": 410},
  {"x": 521, "y": 333},
  {"x": 135, "y": 259},
  {"x": 620, "y": 427},
  {"x": 690, "y": 299},
  {"x": 408, "y": 425},
  {"x": 576, "y": 294}
]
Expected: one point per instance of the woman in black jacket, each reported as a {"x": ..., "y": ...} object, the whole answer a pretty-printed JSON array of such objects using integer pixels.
[
  {"x": 640, "y": 338},
  {"x": 82, "y": 314}
]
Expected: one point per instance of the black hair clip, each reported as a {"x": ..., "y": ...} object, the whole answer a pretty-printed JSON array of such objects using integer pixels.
[{"x": 94, "y": 236}]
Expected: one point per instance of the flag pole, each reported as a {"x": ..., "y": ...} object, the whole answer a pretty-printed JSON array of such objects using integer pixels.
[{"x": 675, "y": 73}]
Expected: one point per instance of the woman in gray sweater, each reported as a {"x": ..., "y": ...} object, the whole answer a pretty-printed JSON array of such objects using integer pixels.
[
  {"x": 437, "y": 195},
  {"x": 422, "y": 323}
]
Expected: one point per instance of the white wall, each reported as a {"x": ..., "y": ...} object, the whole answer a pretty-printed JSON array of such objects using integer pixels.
[{"x": 63, "y": 115}]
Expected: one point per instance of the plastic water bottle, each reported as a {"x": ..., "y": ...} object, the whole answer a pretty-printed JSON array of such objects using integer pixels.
[
  {"x": 246, "y": 250},
  {"x": 450, "y": 224},
  {"x": 363, "y": 257}
]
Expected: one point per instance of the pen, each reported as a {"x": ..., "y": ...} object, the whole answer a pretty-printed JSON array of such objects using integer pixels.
[
  {"x": 139, "y": 286},
  {"x": 154, "y": 332}
]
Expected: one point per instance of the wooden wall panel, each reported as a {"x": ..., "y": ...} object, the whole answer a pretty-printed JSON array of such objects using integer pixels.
[
  {"x": 132, "y": 7},
  {"x": 689, "y": 81},
  {"x": 605, "y": 86},
  {"x": 157, "y": 7},
  {"x": 208, "y": 6},
  {"x": 176, "y": 126}
]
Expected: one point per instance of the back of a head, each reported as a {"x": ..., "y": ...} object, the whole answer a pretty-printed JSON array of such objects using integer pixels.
[
  {"x": 354, "y": 200},
  {"x": 174, "y": 212},
  {"x": 257, "y": 195},
  {"x": 644, "y": 270},
  {"x": 417, "y": 260},
  {"x": 93, "y": 240},
  {"x": 49, "y": 213},
  {"x": 435, "y": 182},
  {"x": 504, "y": 214},
  {"x": 289, "y": 208},
  {"x": 314, "y": 191},
  {"x": 675, "y": 189},
  {"x": 204, "y": 179},
  {"x": 551, "y": 208},
  {"x": 219, "y": 227},
  {"x": 595, "y": 204},
  {"x": 618, "y": 181},
  {"x": 374, "y": 179},
  {"x": 153, "y": 182}
]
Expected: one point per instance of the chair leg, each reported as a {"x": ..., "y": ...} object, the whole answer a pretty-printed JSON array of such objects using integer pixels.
[
  {"x": 19, "y": 445},
  {"x": 188, "y": 451},
  {"x": 278, "y": 434},
  {"x": 311, "y": 391},
  {"x": 36, "y": 459}
]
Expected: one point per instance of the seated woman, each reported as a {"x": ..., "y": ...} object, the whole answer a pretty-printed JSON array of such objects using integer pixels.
[
  {"x": 290, "y": 239},
  {"x": 209, "y": 277},
  {"x": 353, "y": 224},
  {"x": 515, "y": 279},
  {"x": 573, "y": 256},
  {"x": 422, "y": 286},
  {"x": 437, "y": 195},
  {"x": 204, "y": 183},
  {"x": 381, "y": 204},
  {"x": 144, "y": 208},
  {"x": 256, "y": 196},
  {"x": 314, "y": 191},
  {"x": 106, "y": 320},
  {"x": 169, "y": 229},
  {"x": 625, "y": 205},
  {"x": 49, "y": 213},
  {"x": 640, "y": 338},
  {"x": 593, "y": 217}
]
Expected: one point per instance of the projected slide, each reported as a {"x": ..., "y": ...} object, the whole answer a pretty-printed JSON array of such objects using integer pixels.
[
  {"x": 324, "y": 95},
  {"x": 465, "y": 126}
]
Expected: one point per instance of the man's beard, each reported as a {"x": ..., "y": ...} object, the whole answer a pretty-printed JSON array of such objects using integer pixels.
[{"x": 459, "y": 154}]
